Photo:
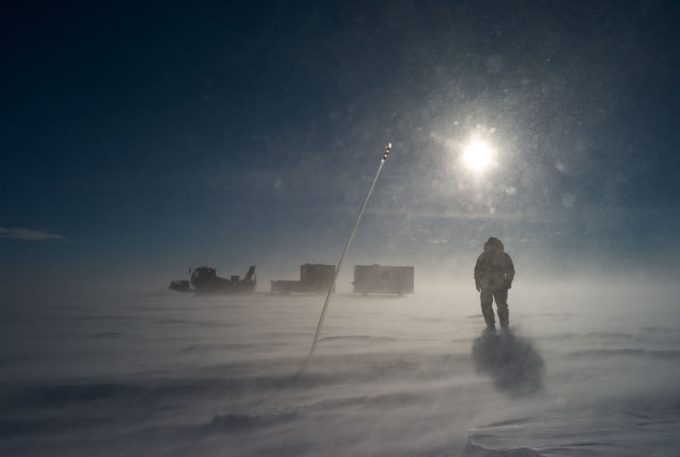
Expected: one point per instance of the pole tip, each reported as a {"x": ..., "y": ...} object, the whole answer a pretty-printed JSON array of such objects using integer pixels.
[{"x": 387, "y": 151}]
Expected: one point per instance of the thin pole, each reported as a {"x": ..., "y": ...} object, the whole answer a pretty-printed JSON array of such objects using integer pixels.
[{"x": 342, "y": 257}]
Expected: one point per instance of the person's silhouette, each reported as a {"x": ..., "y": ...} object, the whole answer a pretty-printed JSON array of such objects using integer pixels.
[{"x": 494, "y": 273}]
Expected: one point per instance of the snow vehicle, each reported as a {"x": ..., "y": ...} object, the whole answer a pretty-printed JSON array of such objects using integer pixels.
[
  {"x": 204, "y": 280},
  {"x": 181, "y": 285}
]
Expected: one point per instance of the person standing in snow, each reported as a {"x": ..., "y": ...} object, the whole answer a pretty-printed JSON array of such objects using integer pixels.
[{"x": 494, "y": 273}]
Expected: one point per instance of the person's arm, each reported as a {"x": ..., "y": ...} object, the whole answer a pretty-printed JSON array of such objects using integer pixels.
[
  {"x": 509, "y": 272},
  {"x": 478, "y": 273}
]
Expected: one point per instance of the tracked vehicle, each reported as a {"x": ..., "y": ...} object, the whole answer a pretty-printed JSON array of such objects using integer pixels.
[{"x": 204, "y": 280}]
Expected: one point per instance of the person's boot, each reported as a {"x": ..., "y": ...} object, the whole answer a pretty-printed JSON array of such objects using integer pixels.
[
  {"x": 489, "y": 318},
  {"x": 504, "y": 317}
]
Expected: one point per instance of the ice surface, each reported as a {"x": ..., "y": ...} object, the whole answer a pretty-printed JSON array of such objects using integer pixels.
[{"x": 594, "y": 372}]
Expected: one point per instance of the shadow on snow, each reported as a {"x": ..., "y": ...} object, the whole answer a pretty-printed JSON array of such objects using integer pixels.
[{"x": 513, "y": 363}]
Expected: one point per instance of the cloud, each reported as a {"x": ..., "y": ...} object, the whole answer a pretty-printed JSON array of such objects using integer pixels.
[{"x": 28, "y": 235}]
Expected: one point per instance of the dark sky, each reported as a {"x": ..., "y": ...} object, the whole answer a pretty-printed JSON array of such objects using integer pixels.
[{"x": 142, "y": 140}]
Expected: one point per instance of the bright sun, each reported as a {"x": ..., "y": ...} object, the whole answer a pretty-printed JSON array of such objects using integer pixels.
[{"x": 477, "y": 155}]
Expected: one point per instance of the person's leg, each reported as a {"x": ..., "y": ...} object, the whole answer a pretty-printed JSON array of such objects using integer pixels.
[
  {"x": 486, "y": 297},
  {"x": 501, "y": 297}
]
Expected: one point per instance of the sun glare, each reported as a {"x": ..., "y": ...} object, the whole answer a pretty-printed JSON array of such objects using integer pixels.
[{"x": 477, "y": 155}]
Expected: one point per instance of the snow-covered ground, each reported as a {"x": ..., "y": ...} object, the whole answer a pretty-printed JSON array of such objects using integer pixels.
[{"x": 584, "y": 371}]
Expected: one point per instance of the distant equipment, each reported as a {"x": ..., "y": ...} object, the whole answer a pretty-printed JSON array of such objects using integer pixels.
[
  {"x": 383, "y": 279},
  {"x": 204, "y": 280},
  {"x": 316, "y": 278},
  {"x": 181, "y": 285}
]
